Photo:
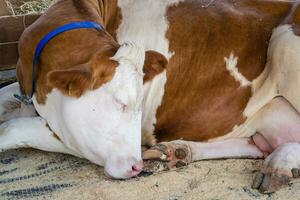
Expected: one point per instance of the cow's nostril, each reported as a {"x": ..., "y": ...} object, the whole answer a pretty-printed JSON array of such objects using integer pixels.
[{"x": 138, "y": 167}]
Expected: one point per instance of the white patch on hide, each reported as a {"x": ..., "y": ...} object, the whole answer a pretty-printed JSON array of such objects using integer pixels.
[
  {"x": 231, "y": 66},
  {"x": 131, "y": 53},
  {"x": 153, "y": 94},
  {"x": 280, "y": 77}
]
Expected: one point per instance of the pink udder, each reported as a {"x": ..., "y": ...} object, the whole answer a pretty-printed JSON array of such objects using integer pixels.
[
  {"x": 268, "y": 145},
  {"x": 262, "y": 144}
]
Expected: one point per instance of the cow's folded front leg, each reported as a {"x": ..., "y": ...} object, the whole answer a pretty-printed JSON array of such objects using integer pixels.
[
  {"x": 178, "y": 153},
  {"x": 279, "y": 168},
  {"x": 30, "y": 132},
  {"x": 167, "y": 155},
  {"x": 11, "y": 107}
]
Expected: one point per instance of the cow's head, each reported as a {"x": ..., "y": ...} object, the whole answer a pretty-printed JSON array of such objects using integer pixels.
[{"x": 101, "y": 106}]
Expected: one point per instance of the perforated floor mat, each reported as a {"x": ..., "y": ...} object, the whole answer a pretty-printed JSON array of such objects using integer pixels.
[
  {"x": 27, "y": 174},
  {"x": 31, "y": 174}
]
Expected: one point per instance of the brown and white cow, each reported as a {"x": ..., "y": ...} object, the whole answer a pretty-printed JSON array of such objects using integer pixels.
[
  {"x": 89, "y": 91},
  {"x": 219, "y": 97}
]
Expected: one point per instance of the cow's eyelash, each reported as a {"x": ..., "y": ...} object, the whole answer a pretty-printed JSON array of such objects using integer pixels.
[{"x": 123, "y": 105}]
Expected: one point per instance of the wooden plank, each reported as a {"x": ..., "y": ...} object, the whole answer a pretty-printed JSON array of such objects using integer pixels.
[
  {"x": 3, "y": 9},
  {"x": 29, "y": 19},
  {"x": 8, "y": 55},
  {"x": 11, "y": 27}
]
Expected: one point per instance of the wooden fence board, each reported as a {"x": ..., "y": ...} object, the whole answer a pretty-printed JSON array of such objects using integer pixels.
[
  {"x": 8, "y": 55},
  {"x": 11, "y": 27}
]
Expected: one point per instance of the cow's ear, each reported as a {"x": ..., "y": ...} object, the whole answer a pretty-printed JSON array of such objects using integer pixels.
[
  {"x": 72, "y": 82},
  {"x": 155, "y": 63}
]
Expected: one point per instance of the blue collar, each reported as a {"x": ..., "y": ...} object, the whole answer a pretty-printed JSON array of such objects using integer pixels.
[{"x": 46, "y": 39}]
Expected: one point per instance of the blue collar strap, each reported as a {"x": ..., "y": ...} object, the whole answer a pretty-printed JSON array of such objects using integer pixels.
[{"x": 47, "y": 38}]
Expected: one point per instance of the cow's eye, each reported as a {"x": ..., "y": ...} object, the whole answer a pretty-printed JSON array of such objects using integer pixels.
[{"x": 122, "y": 106}]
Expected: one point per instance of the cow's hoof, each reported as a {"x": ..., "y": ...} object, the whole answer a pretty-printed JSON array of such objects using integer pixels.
[
  {"x": 279, "y": 169},
  {"x": 167, "y": 155},
  {"x": 154, "y": 166},
  {"x": 270, "y": 182}
]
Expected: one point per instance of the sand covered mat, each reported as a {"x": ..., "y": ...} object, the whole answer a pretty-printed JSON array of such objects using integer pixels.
[{"x": 32, "y": 174}]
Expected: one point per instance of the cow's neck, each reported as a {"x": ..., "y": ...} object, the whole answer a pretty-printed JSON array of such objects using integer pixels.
[
  {"x": 138, "y": 20},
  {"x": 128, "y": 20}
]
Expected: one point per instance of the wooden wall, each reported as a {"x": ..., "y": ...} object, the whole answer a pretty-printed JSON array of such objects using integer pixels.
[{"x": 11, "y": 28}]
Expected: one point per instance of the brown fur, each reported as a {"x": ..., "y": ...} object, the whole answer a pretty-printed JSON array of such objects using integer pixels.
[
  {"x": 87, "y": 48},
  {"x": 155, "y": 63},
  {"x": 53, "y": 134},
  {"x": 112, "y": 15},
  {"x": 77, "y": 60},
  {"x": 202, "y": 100},
  {"x": 76, "y": 80},
  {"x": 56, "y": 137}
]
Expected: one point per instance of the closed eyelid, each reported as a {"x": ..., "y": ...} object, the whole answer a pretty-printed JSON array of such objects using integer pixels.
[
  {"x": 119, "y": 101},
  {"x": 124, "y": 106}
]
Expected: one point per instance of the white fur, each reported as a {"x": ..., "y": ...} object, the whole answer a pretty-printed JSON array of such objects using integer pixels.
[
  {"x": 96, "y": 125},
  {"x": 153, "y": 93},
  {"x": 283, "y": 159},
  {"x": 283, "y": 66},
  {"x": 231, "y": 148},
  {"x": 132, "y": 54},
  {"x": 145, "y": 23},
  {"x": 231, "y": 66},
  {"x": 30, "y": 132}
]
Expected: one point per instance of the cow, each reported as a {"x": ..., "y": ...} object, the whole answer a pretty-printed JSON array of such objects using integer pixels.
[
  {"x": 86, "y": 88},
  {"x": 192, "y": 80}
]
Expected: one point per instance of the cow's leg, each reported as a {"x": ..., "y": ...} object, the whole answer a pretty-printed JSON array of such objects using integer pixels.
[
  {"x": 276, "y": 123},
  {"x": 178, "y": 153},
  {"x": 263, "y": 121},
  {"x": 30, "y": 132},
  {"x": 10, "y": 107},
  {"x": 279, "y": 168},
  {"x": 278, "y": 126}
]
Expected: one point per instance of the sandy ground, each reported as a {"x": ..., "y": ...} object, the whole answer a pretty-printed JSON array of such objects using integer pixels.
[{"x": 31, "y": 174}]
